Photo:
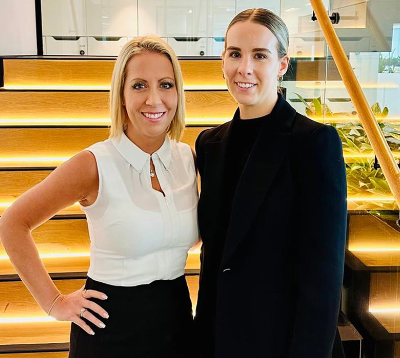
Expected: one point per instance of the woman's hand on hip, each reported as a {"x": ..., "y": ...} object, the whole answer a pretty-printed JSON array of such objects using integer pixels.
[{"x": 76, "y": 306}]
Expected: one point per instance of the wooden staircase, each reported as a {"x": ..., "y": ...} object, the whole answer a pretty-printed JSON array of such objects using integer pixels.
[
  {"x": 52, "y": 108},
  {"x": 372, "y": 279}
]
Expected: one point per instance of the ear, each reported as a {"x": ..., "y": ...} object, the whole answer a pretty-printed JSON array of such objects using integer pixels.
[
  {"x": 223, "y": 63},
  {"x": 284, "y": 65}
]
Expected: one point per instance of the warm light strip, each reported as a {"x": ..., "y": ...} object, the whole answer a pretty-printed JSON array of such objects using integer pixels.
[
  {"x": 94, "y": 121},
  {"x": 352, "y": 119},
  {"x": 55, "y": 256},
  {"x": 27, "y": 320},
  {"x": 378, "y": 249},
  {"x": 189, "y": 121},
  {"x": 58, "y": 87},
  {"x": 6, "y": 205},
  {"x": 194, "y": 252},
  {"x": 36, "y": 159},
  {"x": 63, "y": 159},
  {"x": 384, "y": 310},
  {"x": 371, "y": 199},
  {"x": 100, "y": 87},
  {"x": 77, "y": 254},
  {"x": 65, "y": 121},
  {"x": 366, "y": 155},
  {"x": 316, "y": 85}
]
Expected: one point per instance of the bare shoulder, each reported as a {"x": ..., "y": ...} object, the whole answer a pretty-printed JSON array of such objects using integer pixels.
[{"x": 76, "y": 180}]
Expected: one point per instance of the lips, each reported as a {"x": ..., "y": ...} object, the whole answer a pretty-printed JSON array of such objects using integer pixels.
[
  {"x": 245, "y": 85},
  {"x": 153, "y": 117}
]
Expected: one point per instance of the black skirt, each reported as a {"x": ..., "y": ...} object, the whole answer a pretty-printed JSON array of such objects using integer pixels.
[{"x": 146, "y": 321}]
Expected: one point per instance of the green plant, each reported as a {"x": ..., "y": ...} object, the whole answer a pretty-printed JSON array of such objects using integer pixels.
[
  {"x": 388, "y": 64},
  {"x": 362, "y": 177},
  {"x": 316, "y": 107}
]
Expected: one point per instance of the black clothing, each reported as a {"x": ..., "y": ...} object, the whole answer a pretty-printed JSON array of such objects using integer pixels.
[
  {"x": 276, "y": 291},
  {"x": 146, "y": 321}
]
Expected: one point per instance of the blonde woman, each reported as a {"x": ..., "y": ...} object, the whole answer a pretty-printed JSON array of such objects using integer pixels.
[{"x": 139, "y": 192}]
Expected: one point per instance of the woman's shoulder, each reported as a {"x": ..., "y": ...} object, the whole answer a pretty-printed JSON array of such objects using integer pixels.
[
  {"x": 305, "y": 127},
  {"x": 215, "y": 133},
  {"x": 181, "y": 148}
]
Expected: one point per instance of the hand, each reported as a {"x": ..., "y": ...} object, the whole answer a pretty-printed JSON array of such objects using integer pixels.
[{"x": 74, "y": 307}]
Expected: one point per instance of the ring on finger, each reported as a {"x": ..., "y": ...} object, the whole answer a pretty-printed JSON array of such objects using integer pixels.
[
  {"x": 83, "y": 310},
  {"x": 84, "y": 293}
]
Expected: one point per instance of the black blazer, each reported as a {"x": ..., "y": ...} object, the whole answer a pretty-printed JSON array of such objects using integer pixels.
[{"x": 279, "y": 284}]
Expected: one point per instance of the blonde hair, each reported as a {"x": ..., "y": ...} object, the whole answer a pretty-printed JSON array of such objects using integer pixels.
[{"x": 118, "y": 114}]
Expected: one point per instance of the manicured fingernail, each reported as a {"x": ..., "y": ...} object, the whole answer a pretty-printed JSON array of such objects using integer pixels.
[
  {"x": 92, "y": 333},
  {"x": 105, "y": 315},
  {"x": 102, "y": 325},
  {"x": 104, "y": 297}
]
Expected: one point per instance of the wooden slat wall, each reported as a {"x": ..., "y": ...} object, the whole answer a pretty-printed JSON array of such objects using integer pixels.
[
  {"x": 98, "y": 72},
  {"x": 69, "y": 236},
  {"x": 14, "y": 183},
  {"x": 16, "y": 301},
  {"x": 89, "y": 104},
  {"x": 36, "y": 355},
  {"x": 58, "y": 142},
  {"x": 385, "y": 293}
]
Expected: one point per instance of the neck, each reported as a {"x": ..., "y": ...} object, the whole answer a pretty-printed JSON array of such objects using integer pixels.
[
  {"x": 147, "y": 144},
  {"x": 259, "y": 110}
]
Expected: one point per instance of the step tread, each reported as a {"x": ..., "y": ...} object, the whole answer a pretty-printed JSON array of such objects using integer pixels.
[
  {"x": 67, "y": 72},
  {"x": 373, "y": 241},
  {"x": 36, "y": 355},
  {"x": 94, "y": 105},
  {"x": 69, "y": 236},
  {"x": 384, "y": 295},
  {"x": 56, "y": 144}
]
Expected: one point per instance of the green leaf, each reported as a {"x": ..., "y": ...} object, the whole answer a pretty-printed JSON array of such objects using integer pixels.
[{"x": 317, "y": 105}]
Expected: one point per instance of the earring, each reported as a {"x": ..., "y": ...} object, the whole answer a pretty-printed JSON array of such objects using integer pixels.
[
  {"x": 125, "y": 127},
  {"x": 280, "y": 79}
]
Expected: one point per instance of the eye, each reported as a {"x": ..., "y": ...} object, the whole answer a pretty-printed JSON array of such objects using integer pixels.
[
  {"x": 234, "y": 54},
  {"x": 260, "y": 56},
  {"x": 166, "y": 85},
  {"x": 138, "y": 86}
]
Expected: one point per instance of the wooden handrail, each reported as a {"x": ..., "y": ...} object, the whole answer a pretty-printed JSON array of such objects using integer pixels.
[{"x": 371, "y": 126}]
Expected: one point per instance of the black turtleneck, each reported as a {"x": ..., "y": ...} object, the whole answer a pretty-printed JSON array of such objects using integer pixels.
[{"x": 242, "y": 136}]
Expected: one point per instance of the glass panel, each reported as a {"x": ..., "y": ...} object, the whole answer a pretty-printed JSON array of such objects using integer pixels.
[{"x": 368, "y": 33}]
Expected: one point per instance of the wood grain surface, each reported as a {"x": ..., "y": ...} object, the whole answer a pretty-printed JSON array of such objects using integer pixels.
[{"x": 96, "y": 72}]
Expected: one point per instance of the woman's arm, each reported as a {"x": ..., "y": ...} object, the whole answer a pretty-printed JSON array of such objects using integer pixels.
[
  {"x": 75, "y": 180},
  {"x": 319, "y": 234}
]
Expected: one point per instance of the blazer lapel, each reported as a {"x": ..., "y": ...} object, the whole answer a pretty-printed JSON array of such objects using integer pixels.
[
  {"x": 211, "y": 195},
  {"x": 262, "y": 166}
]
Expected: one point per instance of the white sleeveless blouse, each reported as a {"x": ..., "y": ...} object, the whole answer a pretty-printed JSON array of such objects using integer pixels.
[{"x": 137, "y": 235}]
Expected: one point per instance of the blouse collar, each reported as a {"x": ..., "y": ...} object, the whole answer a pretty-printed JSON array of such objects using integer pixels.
[{"x": 137, "y": 157}]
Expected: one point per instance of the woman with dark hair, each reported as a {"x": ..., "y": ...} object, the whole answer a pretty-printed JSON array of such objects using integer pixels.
[{"x": 272, "y": 211}]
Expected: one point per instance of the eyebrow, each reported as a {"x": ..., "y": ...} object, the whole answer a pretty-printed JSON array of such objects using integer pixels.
[
  {"x": 257, "y": 49},
  {"x": 143, "y": 80}
]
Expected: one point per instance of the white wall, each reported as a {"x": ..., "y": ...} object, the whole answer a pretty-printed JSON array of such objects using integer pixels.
[{"x": 18, "y": 27}]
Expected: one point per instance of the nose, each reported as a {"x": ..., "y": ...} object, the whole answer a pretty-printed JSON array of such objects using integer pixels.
[
  {"x": 245, "y": 66},
  {"x": 153, "y": 99}
]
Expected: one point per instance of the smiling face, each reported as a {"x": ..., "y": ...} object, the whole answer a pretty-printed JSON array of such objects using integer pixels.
[
  {"x": 150, "y": 99},
  {"x": 251, "y": 67}
]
